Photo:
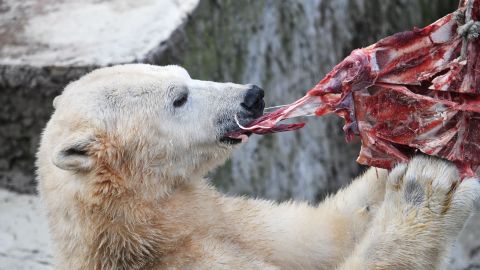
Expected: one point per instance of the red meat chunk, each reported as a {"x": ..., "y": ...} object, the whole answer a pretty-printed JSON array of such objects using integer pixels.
[{"x": 407, "y": 93}]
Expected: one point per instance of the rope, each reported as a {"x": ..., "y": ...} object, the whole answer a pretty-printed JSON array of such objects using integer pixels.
[{"x": 468, "y": 28}]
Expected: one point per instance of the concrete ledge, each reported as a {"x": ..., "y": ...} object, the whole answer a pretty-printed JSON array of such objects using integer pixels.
[
  {"x": 85, "y": 33},
  {"x": 47, "y": 44}
]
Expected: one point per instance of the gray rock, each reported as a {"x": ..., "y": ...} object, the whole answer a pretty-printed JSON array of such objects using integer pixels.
[
  {"x": 284, "y": 46},
  {"x": 86, "y": 33},
  {"x": 46, "y": 44}
]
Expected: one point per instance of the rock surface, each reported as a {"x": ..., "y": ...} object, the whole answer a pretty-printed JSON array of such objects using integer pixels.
[
  {"x": 284, "y": 46},
  {"x": 86, "y": 33},
  {"x": 46, "y": 44}
]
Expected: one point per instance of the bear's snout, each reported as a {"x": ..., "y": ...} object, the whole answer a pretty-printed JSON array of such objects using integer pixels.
[{"x": 253, "y": 101}]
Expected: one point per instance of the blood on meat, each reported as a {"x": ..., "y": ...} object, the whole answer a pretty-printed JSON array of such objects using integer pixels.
[{"x": 407, "y": 93}]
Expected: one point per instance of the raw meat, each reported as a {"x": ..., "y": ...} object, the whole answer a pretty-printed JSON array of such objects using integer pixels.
[{"x": 408, "y": 92}]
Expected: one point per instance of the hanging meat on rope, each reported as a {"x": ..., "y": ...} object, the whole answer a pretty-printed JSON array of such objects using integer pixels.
[{"x": 414, "y": 91}]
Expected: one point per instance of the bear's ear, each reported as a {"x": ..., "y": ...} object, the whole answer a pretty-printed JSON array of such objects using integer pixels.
[
  {"x": 74, "y": 154},
  {"x": 55, "y": 102}
]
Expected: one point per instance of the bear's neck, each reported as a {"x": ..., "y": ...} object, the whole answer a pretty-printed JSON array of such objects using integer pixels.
[{"x": 132, "y": 234}]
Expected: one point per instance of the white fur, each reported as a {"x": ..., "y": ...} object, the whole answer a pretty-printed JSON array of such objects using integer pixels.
[{"x": 121, "y": 173}]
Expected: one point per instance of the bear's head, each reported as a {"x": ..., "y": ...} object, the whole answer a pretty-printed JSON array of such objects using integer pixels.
[{"x": 141, "y": 129}]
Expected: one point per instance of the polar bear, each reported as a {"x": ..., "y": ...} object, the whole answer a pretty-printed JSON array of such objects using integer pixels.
[{"x": 121, "y": 169}]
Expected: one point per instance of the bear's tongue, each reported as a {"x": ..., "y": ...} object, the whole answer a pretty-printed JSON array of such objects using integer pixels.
[
  {"x": 239, "y": 135},
  {"x": 243, "y": 137}
]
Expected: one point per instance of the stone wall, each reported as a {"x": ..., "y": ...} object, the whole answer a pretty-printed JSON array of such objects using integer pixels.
[
  {"x": 46, "y": 44},
  {"x": 284, "y": 46},
  {"x": 26, "y": 95}
]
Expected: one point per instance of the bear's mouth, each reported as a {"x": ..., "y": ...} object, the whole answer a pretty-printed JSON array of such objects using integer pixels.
[
  {"x": 233, "y": 127},
  {"x": 236, "y": 137}
]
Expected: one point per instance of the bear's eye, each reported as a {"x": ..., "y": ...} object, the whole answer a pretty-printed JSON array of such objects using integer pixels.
[{"x": 180, "y": 101}]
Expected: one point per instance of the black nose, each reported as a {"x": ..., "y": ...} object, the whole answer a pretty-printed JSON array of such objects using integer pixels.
[{"x": 253, "y": 100}]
